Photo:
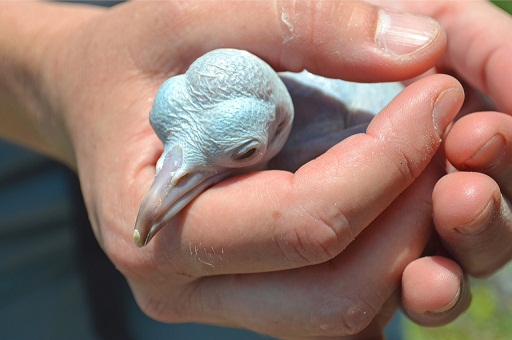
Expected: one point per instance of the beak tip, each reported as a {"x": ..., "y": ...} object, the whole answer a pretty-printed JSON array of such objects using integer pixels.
[{"x": 137, "y": 239}]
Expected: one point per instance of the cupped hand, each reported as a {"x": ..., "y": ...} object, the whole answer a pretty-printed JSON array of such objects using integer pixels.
[{"x": 270, "y": 251}]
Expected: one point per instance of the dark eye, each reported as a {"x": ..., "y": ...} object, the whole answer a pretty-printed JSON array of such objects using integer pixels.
[
  {"x": 248, "y": 153},
  {"x": 280, "y": 126}
]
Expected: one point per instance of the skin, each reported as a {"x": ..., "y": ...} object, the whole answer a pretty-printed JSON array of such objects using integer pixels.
[
  {"x": 94, "y": 69},
  {"x": 229, "y": 113},
  {"x": 218, "y": 120},
  {"x": 471, "y": 206}
]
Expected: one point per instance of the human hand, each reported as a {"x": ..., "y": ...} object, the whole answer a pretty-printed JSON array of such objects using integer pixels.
[
  {"x": 471, "y": 206},
  {"x": 281, "y": 247}
]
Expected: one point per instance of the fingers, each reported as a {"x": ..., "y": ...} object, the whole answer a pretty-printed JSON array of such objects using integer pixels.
[
  {"x": 477, "y": 229},
  {"x": 276, "y": 220},
  {"x": 353, "y": 40},
  {"x": 482, "y": 57},
  {"x": 481, "y": 142},
  {"x": 434, "y": 291},
  {"x": 339, "y": 297},
  {"x": 476, "y": 50},
  {"x": 474, "y": 221}
]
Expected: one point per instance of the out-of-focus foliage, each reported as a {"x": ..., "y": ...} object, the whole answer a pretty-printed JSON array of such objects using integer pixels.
[{"x": 504, "y": 4}]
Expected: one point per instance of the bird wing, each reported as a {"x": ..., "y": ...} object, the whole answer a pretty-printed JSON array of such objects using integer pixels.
[{"x": 326, "y": 112}]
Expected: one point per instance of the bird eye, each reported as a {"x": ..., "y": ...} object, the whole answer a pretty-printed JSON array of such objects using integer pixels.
[
  {"x": 280, "y": 127},
  {"x": 248, "y": 153},
  {"x": 245, "y": 151}
]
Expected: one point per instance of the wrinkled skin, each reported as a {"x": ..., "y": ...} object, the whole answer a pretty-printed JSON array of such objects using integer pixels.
[
  {"x": 287, "y": 247},
  {"x": 231, "y": 266},
  {"x": 471, "y": 204},
  {"x": 230, "y": 113}
]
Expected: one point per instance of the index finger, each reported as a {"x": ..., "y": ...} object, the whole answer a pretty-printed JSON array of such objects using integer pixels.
[{"x": 275, "y": 220}]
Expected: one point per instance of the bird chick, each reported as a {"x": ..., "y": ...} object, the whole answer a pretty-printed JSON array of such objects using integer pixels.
[
  {"x": 228, "y": 113},
  {"x": 231, "y": 113}
]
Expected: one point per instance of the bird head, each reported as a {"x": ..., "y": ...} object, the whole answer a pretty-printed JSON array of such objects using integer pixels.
[{"x": 228, "y": 114}]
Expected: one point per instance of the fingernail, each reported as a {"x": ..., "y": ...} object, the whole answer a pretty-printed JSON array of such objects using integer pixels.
[
  {"x": 403, "y": 33},
  {"x": 446, "y": 107},
  {"x": 490, "y": 154},
  {"x": 478, "y": 224},
  {"x": 450, "y": 304}
]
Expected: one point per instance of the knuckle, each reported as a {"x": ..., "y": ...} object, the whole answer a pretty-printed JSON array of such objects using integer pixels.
[
  {"x": 342, "y": 316},
  {"x": 180, "y": 305},
  {"x": 318, "y": 23},
  {"x": 405, "y": 157},
  {"x": 318, "y": 238},
  {"x": 396, "y": 155},
  {"x": 153, "y": 308},
  {"x": 405, "y": 166},
  {"x": 162, "y": 311}
]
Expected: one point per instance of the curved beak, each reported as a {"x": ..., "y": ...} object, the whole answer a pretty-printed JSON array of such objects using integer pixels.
[{"x": 173, "y": 188}]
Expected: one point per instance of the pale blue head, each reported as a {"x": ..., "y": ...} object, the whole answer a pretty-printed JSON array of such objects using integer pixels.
[{"x": 228, "y": 113}]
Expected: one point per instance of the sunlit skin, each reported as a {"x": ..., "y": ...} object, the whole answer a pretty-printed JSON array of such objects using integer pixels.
[
  {"x": 231, "y": 113},
  {"x": 81, "y": 81},
  {"x": 227, "y": 113}
]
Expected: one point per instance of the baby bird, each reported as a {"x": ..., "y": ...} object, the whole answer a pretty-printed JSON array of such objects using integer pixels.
[{"x": 231, "y": 113}]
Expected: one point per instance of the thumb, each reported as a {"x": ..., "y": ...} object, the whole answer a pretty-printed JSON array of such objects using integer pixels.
[{"x": 353, "y": 40}]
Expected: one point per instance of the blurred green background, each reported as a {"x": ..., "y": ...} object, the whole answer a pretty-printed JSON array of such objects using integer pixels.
[
  {"x": 490, "y": 314},
  {"x": 506, "y": 5}
]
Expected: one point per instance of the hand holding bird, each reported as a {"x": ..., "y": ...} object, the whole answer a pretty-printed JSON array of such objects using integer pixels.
[{"x": 231, "y": 113}]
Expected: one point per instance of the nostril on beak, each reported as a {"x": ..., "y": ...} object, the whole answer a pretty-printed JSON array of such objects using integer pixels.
[{"x": 181, "y": 179}]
